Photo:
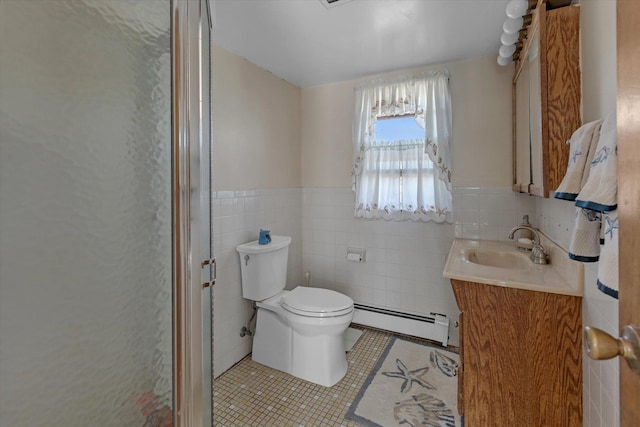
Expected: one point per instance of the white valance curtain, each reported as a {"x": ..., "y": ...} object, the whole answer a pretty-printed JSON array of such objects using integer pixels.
[{"x": 422, "y": 192}]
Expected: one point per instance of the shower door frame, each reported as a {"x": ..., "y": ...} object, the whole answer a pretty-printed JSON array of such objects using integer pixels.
[{"x": 190, "y": 215}]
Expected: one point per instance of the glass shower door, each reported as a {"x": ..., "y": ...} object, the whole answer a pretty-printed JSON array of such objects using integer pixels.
[{"x": 85, "y": 213}]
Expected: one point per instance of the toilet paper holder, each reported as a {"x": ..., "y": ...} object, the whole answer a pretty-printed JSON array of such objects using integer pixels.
[{"x": 356, "y": 254}]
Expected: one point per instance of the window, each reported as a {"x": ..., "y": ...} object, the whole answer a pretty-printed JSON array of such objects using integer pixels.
[
  {"x": 401, "y": 145},
  {"x": 397, "y": 152},
  {"x": 398, "y": 128}
]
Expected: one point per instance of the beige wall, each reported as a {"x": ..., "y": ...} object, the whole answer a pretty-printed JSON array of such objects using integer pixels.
[
  {"x": 327, "y": 117},
  {"x": 481, "y": 104},
  {"x": 268, "y": 133},
  {"x": 598, "y": 56},
  {"x": 256, "y": 126}
]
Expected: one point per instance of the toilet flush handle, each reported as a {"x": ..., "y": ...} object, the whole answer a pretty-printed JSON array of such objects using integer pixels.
[{"x": 246, "y": 260}]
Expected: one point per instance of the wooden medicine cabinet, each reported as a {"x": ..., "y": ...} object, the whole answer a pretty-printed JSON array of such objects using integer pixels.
[{"x": 546, "y": 99}]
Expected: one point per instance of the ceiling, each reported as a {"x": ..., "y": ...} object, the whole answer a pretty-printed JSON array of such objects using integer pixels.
[{"x": 309, "y": 44}]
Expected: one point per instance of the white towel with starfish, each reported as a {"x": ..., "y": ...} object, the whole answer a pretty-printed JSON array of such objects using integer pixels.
[
  {"x": 583, "y": 145},
  {"x": 600, "y": 192},
  {"x": 585, "y": 238},
  {"x": 608, "y": 264}
]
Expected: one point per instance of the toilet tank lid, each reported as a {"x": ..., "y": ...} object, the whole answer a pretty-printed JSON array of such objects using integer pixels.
[{"x": 277, "y": 242}]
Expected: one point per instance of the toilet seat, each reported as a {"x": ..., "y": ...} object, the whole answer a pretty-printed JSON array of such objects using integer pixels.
[{"x": 317, "y": 302}]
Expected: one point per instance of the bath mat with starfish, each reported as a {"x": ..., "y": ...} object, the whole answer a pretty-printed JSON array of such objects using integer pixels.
[{"x": 411, "y": 385}]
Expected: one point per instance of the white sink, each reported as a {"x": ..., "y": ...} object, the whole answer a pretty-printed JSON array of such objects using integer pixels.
[
  {"x": 499, "y": 259},
  {"x": 499, "y": 263}
]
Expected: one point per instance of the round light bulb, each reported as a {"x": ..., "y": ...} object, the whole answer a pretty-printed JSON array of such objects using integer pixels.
[
  {"x": 504, "y": 61},
  {"x": 507, "y": 51},
  {"x": 517, "y": 8},
  {"x": 508, "y": 39},
  {"x": 512, "y": 25}
]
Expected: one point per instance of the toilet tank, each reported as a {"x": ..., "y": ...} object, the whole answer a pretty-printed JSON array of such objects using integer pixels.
[{"x": 264, "y": 267}]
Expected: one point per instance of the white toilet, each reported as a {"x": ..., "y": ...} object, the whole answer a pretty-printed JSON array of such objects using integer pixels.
[{"x": 299, "y": 331}]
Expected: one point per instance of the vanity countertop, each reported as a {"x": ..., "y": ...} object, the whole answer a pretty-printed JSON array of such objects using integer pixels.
[{"x": 561, "y": 276}]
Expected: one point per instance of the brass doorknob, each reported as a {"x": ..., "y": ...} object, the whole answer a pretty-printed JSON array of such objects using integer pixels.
[{"x": 600, "y": 345}]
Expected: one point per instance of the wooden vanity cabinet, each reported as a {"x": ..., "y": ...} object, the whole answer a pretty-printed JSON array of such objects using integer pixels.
[
  {"x": 521, "y": 357},
  {"x": 546, "y": 99}
]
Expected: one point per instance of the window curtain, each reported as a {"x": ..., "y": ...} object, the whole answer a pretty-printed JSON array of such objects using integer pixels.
[{"x": 426, "y": 164}]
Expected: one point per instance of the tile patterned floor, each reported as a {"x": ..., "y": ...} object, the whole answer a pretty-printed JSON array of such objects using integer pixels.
[{"x": 250, "y": 394}]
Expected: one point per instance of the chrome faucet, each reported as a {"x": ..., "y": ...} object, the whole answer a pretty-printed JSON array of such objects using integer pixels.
[{"x": 538, "y": 254}]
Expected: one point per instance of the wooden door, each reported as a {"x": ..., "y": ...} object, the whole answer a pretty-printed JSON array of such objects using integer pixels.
[{"x": 629, "y": 193}]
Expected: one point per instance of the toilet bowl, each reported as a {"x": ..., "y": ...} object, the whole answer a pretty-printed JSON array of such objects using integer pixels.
[
  {"x": 318, "y": 318},
  {"x": 299, "y": 331},
  {"x": 295, "y": 339}
]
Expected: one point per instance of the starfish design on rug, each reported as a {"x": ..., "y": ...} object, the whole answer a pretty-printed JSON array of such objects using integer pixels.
[{"x": 417, "y": 376}]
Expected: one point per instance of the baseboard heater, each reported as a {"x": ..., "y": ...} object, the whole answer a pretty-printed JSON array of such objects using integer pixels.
[{"x": 434, "y": 327}]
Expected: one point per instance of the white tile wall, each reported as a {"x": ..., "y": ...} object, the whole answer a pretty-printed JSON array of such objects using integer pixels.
[
  {"x": 237, "y": 218},
  {"x": 489, "y": 213},
  {"x": 601, "y": 400},
  {"x": 404, "y": 260}
]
